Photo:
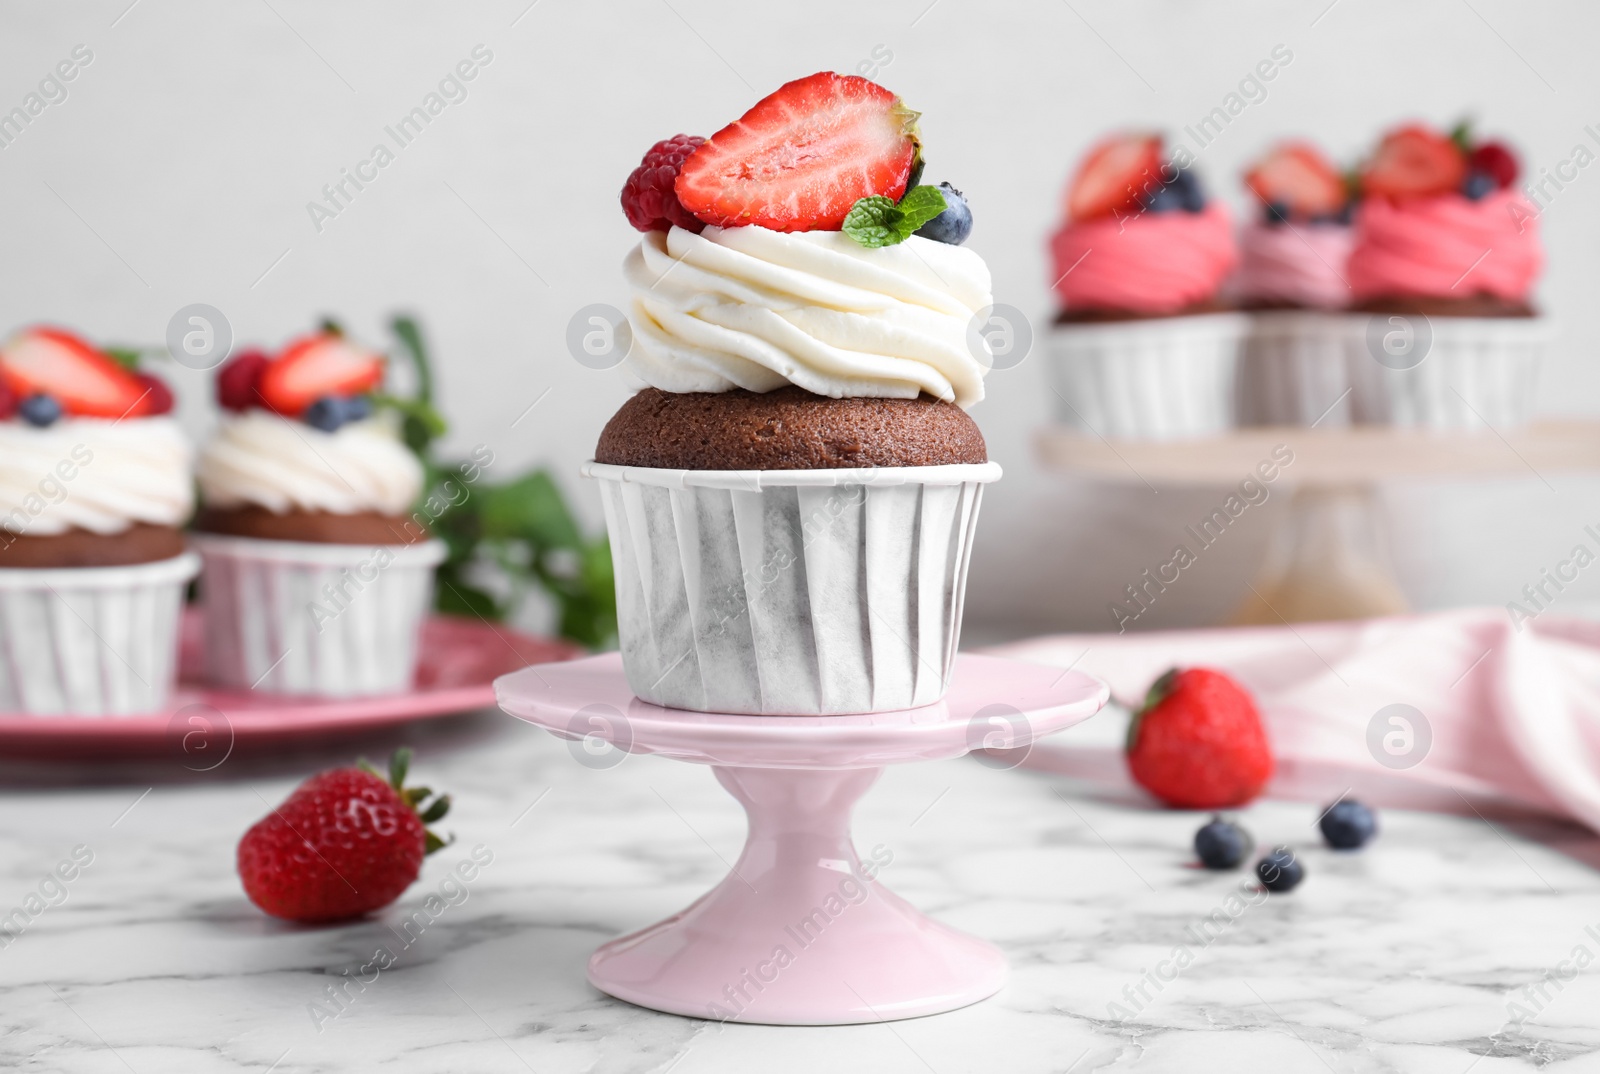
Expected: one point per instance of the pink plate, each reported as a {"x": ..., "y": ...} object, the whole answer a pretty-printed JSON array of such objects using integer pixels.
[
  {"x": 802, "y": 931},
  {"x": 458, "y": 661}
]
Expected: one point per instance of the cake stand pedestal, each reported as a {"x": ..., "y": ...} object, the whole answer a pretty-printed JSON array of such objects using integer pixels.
[
  {"x": 1328, "y": 558},
  {"x": 803, "y": 930}
]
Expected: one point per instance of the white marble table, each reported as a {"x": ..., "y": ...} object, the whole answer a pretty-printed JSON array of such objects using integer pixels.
[{"x": 1407, "y": 957}]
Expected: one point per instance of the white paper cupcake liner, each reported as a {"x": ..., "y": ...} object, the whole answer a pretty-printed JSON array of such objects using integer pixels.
[
  {"x": 308, "y": 619},
  {"x": 1160, "y": 378},
  {"x": 1476, "y": 372},
  {"x": 1295, "y": 370},
  {"x": 791, "y": 592},
  {"x": 91, "y": 641}
]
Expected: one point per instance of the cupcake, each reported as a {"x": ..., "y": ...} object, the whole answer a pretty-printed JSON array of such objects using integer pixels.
[
  {"x": 1293, "y": 278},
  {"x": 1144, "y": 346},
  {"x": 1446, "y": 254},
  {"x": 317, "y": 572},
  {"x": 791, "y": 494},
  {"x": 95, "y": 486}
]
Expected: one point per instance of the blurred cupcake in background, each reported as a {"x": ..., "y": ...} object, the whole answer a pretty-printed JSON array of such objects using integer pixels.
[
  {"x": 1293, "y": 276},
  {"x": 1144, "y": 345},
  {"x": 317, "y": 570},
  {"x": 96, "y": 484},
  {"x": 1446, "y": 255}
]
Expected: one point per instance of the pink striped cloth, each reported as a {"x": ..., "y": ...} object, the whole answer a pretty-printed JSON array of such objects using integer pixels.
[{"x": 1505, "y": 714}]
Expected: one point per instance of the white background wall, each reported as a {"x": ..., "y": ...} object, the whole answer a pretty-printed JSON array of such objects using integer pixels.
[{"x": 179, "y": 167}]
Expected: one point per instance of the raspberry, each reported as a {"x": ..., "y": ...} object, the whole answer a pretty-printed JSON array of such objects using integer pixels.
[
  {"x": 1496, "y": 161},
  {"x": 648, "y": 196},
  {"x": 237, "y": 380}
]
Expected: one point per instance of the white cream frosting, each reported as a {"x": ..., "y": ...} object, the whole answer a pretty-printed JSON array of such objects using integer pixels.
[
  {"x": 94, "y": 474},
  {"x": 265, "y": 460},
  {"x": 750, "y": 308}
]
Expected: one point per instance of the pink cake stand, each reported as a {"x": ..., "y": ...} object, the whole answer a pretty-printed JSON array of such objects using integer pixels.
[{"x": 802, "y": 931}]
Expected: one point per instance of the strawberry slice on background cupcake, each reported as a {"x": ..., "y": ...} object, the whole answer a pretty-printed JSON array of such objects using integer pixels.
[
  {"x": 1293, "y": 274},
  {"x": 1145, "y": 344},
  {"x": 307, "y": 488},
  {"x": 1447, "y": 249},
  {"x": 95, "y": 487},
  {"x": 802, "y": 309}
]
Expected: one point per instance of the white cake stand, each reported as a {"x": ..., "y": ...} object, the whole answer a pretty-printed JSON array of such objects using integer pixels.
[
  {"x": 802, "y": 931},
  {"x": 1328, "y": 558}
]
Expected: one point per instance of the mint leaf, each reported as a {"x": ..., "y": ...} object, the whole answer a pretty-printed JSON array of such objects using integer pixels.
[
  {"x": 877, "y": 221},
  {"x": 126, "y": 357},
  {"x": 921, "y": 204},
  {"x": 870, "y": 222}
]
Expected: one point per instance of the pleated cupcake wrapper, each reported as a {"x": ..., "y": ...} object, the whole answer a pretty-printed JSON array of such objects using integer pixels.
[
  {"x": 1296, "y": 370},
  {"x": 791, "y": 592},
  {"x": 307, "y": 619},
  {"x": 1478, "y": 370},
  {"x": 91, "y": 641},
  {"x": 1161, "y": 378}
]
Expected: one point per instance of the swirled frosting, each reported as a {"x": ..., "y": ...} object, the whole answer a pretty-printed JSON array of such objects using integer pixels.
[
  {"x": 1302, "y": 265},
  {"x": 1447, "y": 247},
  {"x": 263, "y": 460},
  {"x": 1150, "y": 263},
  {"x": 750, "y": 308},
  {"x": 94, "y": 474}
]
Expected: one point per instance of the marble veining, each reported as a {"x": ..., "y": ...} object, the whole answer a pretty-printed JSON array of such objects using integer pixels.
[{"x": 1452, "y": 944}]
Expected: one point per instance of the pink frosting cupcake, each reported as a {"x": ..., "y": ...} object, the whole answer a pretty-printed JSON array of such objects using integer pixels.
[
  {"x": 1144, "y": 346},
  {"x": 1446, "y": 257}
]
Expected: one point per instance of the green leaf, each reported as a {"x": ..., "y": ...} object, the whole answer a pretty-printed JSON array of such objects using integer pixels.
[
  {"x": 437, "y": 810},
  {"x": 330, "y": 326},
  {"x": 921, "y": 204},
  {"x": 410, "y": 336},
  {"x": 126, "y": 357},
  {"x": 1461, "y": 135},
  {"x": 876, "y": 221},
  {"x": 435, "y": 843},
  {"x": 458, "y": 598},
  {"x": 399, "y": 764},
  {"x": 531, "y": 509},
  {"x": 870, "y": 222}
]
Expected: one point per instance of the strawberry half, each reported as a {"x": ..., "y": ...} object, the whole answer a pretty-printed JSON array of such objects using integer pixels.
[
  {"x": 1296, "y": 175},
  {"x": 1198, "y": 742},
  {"x": 314, "y": 366},
  {"x": 803, "y": 156},
  {"x": 86, "y": 381},
  {"x": 1414, "y": 162},
  {"x": 1114, "y": 175}
]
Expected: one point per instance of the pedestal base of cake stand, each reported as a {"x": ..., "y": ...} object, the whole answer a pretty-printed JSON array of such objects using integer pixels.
[{"x": 803, "y": 931}]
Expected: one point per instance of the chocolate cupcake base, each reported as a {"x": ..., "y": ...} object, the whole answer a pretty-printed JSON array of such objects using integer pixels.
[{"x": 786, "y": 429}]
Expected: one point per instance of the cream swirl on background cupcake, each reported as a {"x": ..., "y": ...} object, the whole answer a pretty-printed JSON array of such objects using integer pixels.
[
  {"x": 757, "y": 309},
  {"x": 95, "y": 475},
  {"x": 1295, "y": 266},
  {"x": 261, "y": 459}
]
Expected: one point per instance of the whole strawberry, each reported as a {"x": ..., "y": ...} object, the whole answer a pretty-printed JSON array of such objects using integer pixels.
[
  {"x": 1198, "y": 742},
  {"x": 345, "y": 843}
]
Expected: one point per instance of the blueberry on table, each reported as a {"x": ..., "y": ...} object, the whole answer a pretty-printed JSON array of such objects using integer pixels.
[
  {"x": 40, "y": 410},
  {"x": 1222, "y": 844},
  {"x": 954, "y": 224},
  {"x": 1348, "y": 824},
  {"x": 1280, "y": 871}
]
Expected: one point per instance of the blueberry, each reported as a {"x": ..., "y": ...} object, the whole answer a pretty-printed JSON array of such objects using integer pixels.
[
  {"x": 1166, "y": 199},
  {"x": 954, "y": 224},
  {"x": 1348, "y": 824},
  {"x": 358, "y": 408},
  {"x": 1280, "y": 871},
  {"x": 40, "y": 410},
  {"x": 1222, "y": 844},
  {"x": 327, "y": 413},
  {"x": 1191, "y": 198},
  {"x": 1277, "y": 213},
  {"x": 1478, "y": 185}
]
